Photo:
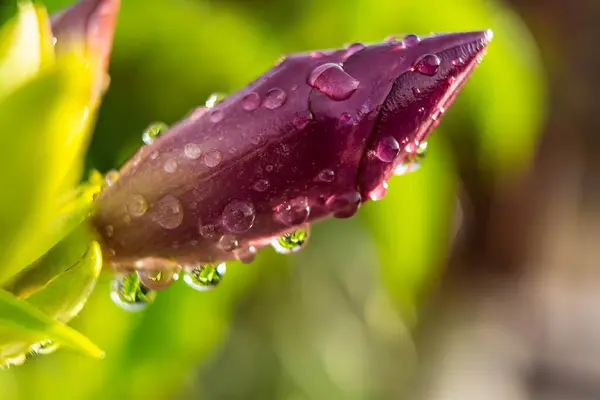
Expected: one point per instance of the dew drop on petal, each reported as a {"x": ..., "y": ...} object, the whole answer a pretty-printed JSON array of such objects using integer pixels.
[
  {"x": 212, "y": 158},
  {"x": 167, "y": 212},
  {"x": 429, "y": 64},
  {"x": 301, "y": 120},
  {"x": 228, "y": 243},
  {"x": 111, "y": 177},
  {"x": 238, "y": 216},
  {"x": 170, "y": 166},
  {"x": 290, "y": 242},
  {"x": 331, "y": 80},
  {"x": 192, "y": 151},
  {"x": 204, "y": 277},
  {"x": 274, "y": 98},
  {"x": 379, "y": 192},
  {"x": 344, "y": 205},
  {"x": 387, "y": 149},
  {"x": 411, "y": 40},
  {"x": 261, "y": 185},
  {"x": 207, "y": 231},
  {"x": 251, "y": 101},
  {"x": 128, "y": 292},
  {"x": 214, "y": 99},
  {"x": 327, "y": 175},
  {"x": 216, "y": 116},
  {"x": 293, "y": 212},
  {"x": 246, "y": 256},
  {"x": 136, "y": 205},
  {"x": 153, "y": 131},
  {"x": 353, "y": 49}
]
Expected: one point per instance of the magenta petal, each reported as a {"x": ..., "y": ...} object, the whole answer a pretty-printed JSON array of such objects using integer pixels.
[{"x": 310, "y": 139}]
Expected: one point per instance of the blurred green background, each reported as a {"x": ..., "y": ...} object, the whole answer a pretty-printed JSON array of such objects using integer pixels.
[{"x": 336, "y": 320}]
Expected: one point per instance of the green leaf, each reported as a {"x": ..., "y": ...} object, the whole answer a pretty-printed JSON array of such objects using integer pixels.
[
  {"x": 25, "y": 46},
  {"x": 37, "y": 157},
  {"x": 19, "y": 319}
]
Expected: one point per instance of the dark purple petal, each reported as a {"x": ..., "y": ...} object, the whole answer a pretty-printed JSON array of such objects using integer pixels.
[
  {"x": 93, "y": 22},
  {"x": 312, "y": 138}
]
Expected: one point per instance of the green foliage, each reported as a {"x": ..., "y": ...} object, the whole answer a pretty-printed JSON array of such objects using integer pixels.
[{"x": 351, "y": 282}]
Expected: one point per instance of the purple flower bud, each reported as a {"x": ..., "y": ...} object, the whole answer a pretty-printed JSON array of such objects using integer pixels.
[
  {"x": 91, "y": 23},
  {"x": 312, "y": 138}
]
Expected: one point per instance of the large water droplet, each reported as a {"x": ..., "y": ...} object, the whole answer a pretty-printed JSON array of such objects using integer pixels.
[
  {"x": 238, "y": 216},
  {"x": 168, "y": 212},
  {"x": 128, "y": 292},
  {"x": 192, "y": 151},
  {"x": 411, "y": 40},
  {"x": 261, "y": 185},
  {"x": 274, "y": 98},
  {"x": 136, "y": 205},
  {"x": 353, "y": 49},
  {"x": 228, "y": 243},
  {"x": 153, "y": 131},
  {"x": 213, "y": 158},
  {"x": 327, "y": 175},
  {"x": 205, "y": 277},
  {"x": 387, "y": 149},
  {"x": 290, "y": 242},
  {"x": 170, "y": 166},
  {"x": 344, "y": 205},
  {"x": 111, "y": 177},
  {"x": 293, "y": 212},
  {"x": 331, "y": 80},
  {"x": 429, "y": 64},
  {"x": 251, "y": 101},
  {"x": 157, "y": 279},
  {"x": 214, "y": 99}
]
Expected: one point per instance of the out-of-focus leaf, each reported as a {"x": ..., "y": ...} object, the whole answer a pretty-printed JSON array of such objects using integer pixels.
[
  {"x": 19, "y": 319},
  {"x": 36, "y": 157},
  {"x": 25, "y": 46}
]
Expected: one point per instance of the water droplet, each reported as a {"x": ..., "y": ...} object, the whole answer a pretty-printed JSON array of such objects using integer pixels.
[
  {"x": 326, "y": 175},
  {"x": 411, "y": 40},
  {"x": 387, "y": 149},
  {"x": 261, "y": 185},
  {"x": 128, "y": 292},
  {"x": 353, "y": 49},
  {"x": 251, "y": 101},
  {"x": 213, "y": 158},
  {"x": 246, "y": 256},
  {"x": 293, "y": 212},
  {"x": 154, "y": 155},
  {"x": 429, "y": 64},
  {"x": 205, "y": 277},
  {"x": 344, "y": 205},
  {"x": 168, "y": 212},
  {"x": 111, "y": 177},
  {"x": 136, "y": 205},
  {"x": 406, "y": 167},
  {"x": 437, "y": 114},
  {"x": 294, "y": 88},
  {"x": 238, "y": 216},
  {"x": 110, "y": 230},
  {"x": 331, "y": 80},
  {"x": 458, "y": 62},
  {"x": 216, "y": 116},
  {"x": 290, "y": 242},
  {"x": 301, "y": 120},
  {"x": 317, "y": 54},
  {"x": 44, "y": 347},
  {"x": 207, "y": 231},
  {"x": 157, "y": 279},
  {"x": 275, "y": 98},
  {"x": 192, "y": 151},
  {"x": 412, "y": 162},
  {"x": 214, "y": 99},
  {"x": 153, "y": 131},
  {"x": 228, "y": 243},
  {"x": 269, "y": 168},
  {"x": 170, "y": 166},
  {"x": 379, "y": 192}
]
